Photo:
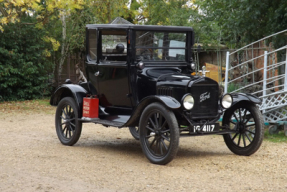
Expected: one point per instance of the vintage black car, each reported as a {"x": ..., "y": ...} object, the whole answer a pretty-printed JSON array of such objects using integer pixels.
[{"x": 142, "y": 78}]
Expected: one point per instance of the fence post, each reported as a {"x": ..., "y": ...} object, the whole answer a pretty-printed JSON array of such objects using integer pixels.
[
  {"x": 265, "y": 74},
  {"x": 285, "y": 80},
  {"x": 226, "y": 72},
  {"x": 264, "y": 79}
]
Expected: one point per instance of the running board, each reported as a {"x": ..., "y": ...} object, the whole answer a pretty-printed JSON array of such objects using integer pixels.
[{"x": 102, "y": 121}]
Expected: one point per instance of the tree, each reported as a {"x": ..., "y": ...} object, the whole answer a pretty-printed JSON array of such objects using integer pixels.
[
  {"x": 105, "y": 11},
  {"x": 23, "y": 65},
  {"x": 70, "y": 32},
  {"x": 13, "y": 10},
  {"x": 169, "y": 12},
  {"x": 41, "y": 19},
  {"x": 245, "y": 21}
]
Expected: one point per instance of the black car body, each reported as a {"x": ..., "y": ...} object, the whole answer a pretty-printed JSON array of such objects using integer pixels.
[{"x": 142, "y": 77}]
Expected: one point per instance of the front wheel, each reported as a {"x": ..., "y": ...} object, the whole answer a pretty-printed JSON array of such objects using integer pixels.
[
  {"x": 247, "y": 123},
  {"x": 68, "y": 126},
  {"x": 159, "y": 134}
]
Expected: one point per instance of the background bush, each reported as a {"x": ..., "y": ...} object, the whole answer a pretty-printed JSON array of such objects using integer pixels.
[{"x": 24, "y": 68}]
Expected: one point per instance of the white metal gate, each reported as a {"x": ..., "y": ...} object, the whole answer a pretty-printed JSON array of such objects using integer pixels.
[{"x": 261, "y": 70}]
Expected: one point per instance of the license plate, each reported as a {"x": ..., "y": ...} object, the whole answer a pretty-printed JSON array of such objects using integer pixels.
[{"x": 206, "y": 128}]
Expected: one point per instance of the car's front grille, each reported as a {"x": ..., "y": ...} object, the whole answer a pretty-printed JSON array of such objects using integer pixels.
[
  {"x": 164, "y": 91},
  {"x": 205, "y": 99}
]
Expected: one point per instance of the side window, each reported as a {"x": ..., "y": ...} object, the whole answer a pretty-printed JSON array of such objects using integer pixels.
[
  {"x": 160, "y": 46},
  {"x": 114, "y": 45},
  {"x": 93, "y": 44}
]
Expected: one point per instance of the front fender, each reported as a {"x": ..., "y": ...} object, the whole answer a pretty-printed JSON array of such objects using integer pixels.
[
  {"x": 238, "y": 97},
  {"x": 168, "y": 101},
  {"x": 69, "y": 90}
]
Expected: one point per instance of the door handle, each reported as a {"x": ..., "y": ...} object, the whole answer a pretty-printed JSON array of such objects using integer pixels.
[{"x": 97, "y": 73}]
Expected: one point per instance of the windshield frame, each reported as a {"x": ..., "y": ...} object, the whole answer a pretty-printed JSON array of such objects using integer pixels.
[{"x": 164, "y": 47}]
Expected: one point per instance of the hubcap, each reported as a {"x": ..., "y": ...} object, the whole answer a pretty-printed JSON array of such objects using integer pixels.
[{"x": 241, "y": 128}]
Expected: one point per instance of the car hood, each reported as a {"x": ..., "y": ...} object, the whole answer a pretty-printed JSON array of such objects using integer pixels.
[{"x": 176, "y": 79}]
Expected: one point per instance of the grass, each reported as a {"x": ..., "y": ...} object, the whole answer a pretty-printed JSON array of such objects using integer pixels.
[
  {"x": 38, "y": 105},
  {"x": 275, "y": 138},
  {"x": 45, "y": 102}
]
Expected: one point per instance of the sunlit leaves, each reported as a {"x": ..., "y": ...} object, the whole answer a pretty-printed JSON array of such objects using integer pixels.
[
  {"x": 54, "y": 42},
  {"x": 169, "y": 12},
  {"x": 107, "y": 10},
  {"x": 13, "y": 10}
]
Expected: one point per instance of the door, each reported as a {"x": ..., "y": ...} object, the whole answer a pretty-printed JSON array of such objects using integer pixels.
[{"x": 110, "y": 74}]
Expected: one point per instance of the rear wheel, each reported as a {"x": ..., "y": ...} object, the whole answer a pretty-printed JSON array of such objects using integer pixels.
[
  {"x": 135, "y": 132},
  {"x": 68, "y": 127},
  {"x": 159, "y": 134},
  {"x": 247, "y": 123}
]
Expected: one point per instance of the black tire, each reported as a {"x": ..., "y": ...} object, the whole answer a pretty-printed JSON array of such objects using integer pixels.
[
  {"x": 68, "y": 127},
  {"x": 159, "y": 134},
  {"x": 247, "y": 122},
  {"x": 135, "y": 132}
]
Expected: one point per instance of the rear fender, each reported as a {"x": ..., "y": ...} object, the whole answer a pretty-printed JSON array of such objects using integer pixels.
[
  {"x": 69, "y": 90},
  {"x": 167, "y": 101}
]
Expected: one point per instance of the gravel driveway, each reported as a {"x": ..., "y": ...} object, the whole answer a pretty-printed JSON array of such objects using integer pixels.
[{"x": 109, "y": 159}]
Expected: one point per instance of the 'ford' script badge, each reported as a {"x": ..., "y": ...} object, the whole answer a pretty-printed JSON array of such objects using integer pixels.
[{"x": 204, "y": 96}]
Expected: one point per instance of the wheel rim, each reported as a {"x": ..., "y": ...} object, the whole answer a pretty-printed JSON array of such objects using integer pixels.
[
  {"x": 67, "y": 122},
  {"x": 243, "y": 124},
  {"x": 157, "y": 135}
]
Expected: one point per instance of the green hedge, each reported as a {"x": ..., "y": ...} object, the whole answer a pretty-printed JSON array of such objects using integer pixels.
[{"x": 23, "y": 67}]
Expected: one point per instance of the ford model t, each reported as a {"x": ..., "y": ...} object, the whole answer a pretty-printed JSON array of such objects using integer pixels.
[{"x": 140, "y": 77}]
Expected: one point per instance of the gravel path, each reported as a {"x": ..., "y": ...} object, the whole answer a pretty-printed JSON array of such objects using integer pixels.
[{"x": 109, "y": 159}]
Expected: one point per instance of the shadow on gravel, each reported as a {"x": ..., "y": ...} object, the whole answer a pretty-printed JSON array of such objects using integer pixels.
[
  {"x": 132, "y": 147},
  {"x": 190, "y": 153},
  {"x": 117, "y": 146}
]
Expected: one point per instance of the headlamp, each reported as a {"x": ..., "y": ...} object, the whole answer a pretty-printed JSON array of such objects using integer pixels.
[
  {"x": 226, "y": 101},
  {"x": 188, "y": 102}
]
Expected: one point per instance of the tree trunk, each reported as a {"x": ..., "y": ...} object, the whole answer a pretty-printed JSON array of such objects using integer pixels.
[{"x": 63, "y": 47}]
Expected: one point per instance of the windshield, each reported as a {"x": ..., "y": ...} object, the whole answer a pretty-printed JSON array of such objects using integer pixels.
[{"x": 156, "y": 46}]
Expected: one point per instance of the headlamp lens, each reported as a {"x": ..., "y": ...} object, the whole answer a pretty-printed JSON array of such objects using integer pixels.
[
  {"x": 226, "y": 101},
  {"x": 188, "y": 102}
]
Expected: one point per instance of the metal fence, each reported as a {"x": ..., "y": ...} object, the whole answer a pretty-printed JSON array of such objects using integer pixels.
[{"x": 260, "y": 69}]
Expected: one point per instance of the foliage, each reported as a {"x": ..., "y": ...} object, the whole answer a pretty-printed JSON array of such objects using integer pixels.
[
  {"x": 23, "y": 68},
  {"x": 180, "y": 13},
  {"x": 245, "y": 21},
  {"x": 105, "y": 11},
  {"x": 232, "y": 87},
  {"x": 158, "y": 12},
  {"x": 13, "y": 11}
]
